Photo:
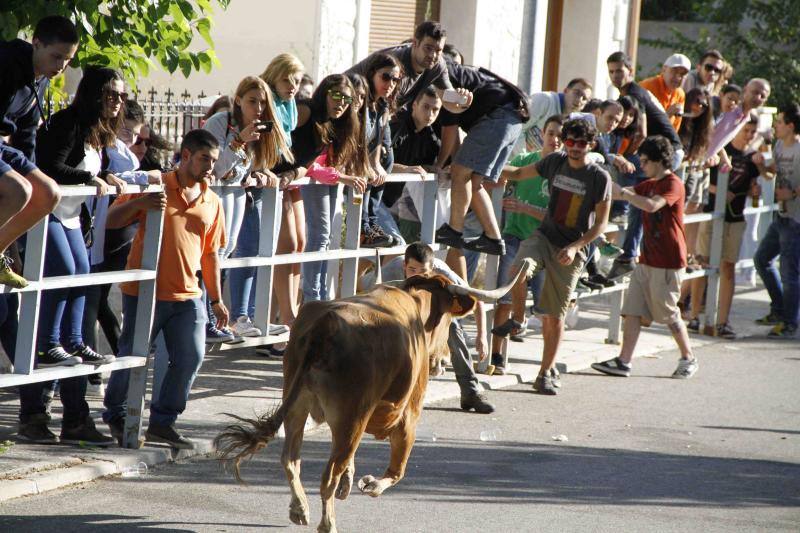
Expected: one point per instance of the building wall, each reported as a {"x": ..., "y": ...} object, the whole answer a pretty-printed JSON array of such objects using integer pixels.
[{"x": 591, "y": 31}]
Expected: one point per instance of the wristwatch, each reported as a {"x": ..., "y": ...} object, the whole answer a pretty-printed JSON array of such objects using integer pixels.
[{"x": 213, "y": 302}]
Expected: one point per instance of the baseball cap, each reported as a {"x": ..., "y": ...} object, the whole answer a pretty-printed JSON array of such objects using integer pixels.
[{"x": 678, "y": 60}]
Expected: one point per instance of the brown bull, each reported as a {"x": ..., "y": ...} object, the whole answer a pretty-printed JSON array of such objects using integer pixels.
[{"x": 361, "y": 364}]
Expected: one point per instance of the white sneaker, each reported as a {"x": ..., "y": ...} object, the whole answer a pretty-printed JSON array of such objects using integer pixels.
[
  {"x": 686, "y": 368},
  {"x": 243, "y": 327},
  {"x": 278, "y": 329}
]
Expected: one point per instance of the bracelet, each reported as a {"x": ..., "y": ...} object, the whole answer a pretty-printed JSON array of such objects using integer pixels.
[{"x": 213, "y": 302}]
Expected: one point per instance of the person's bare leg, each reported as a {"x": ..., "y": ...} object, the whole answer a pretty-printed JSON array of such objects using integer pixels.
[
  {"x": 300, "y": 233},
  {"x": 726, "y": 287},
  {"x": 698, "y": 285},
  {"x": 460, "y": 195},
  {"x": 282, "y": 278},
  {"x": 481, "y": 205},
  {"x": 45, "y": 195},
  {"x": 681, "y": 336},
  {"x": 631, "y": 326},
  {"x": 455, "y": 260},
  {"x": 552, "y": 330},
  {"x": 691, "y": 229},
  {"x": 15, "y": 193}
]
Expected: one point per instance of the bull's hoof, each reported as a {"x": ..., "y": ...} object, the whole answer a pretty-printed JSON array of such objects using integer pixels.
[
  {"x": 345, "y": 484},
  {"x": 371, "y": 486},
  {"x": 326, "y": 528},
  {"x": 298, "y": 513}
]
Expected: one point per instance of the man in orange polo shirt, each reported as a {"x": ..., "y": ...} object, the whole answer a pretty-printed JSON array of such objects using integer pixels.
[
  {"x": 194, "y": 230},
  {"x": 666, "y": 87}
]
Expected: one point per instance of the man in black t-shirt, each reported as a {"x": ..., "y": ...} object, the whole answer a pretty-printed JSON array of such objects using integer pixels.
[
  {"x": 741, "y": 181},
  {"x": 493, "y": 121}
]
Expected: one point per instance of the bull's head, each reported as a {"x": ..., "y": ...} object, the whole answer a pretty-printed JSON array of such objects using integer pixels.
[{"x": 449, "y": 300}]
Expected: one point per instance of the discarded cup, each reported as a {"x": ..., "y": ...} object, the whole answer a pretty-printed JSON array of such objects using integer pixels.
[
  {"x": 490, "y": 435},
  {"x": 137, "y": 470},
  {"x": 560, "y": 438}
]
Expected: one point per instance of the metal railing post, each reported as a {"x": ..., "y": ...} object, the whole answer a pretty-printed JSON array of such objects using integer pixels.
[
  {"x": 145, "y": 309},
  {"x": 715, "y": 255},
  {"x": 337, "y": 220},
  {"x": 429, "y": 211},
  {"x": 351, "y": 242},
  {"x": 33, "y": 270},
  {"x": 267, "y": 244},
  {"x": 490, "y": 278}
]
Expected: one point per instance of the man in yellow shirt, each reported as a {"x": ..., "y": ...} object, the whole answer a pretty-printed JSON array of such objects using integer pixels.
[{"x": 666, "y": 87}]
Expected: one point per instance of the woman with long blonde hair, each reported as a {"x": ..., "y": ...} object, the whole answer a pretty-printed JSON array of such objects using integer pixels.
[
  {"x": 283, "y": 75},
  {"x": 251, "y": 144}
]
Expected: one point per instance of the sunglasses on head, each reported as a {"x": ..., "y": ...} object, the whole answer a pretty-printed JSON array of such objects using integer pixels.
[
  {"x": 569, "y": 142},
  {"x": 385, "y": 76},
  {"x": 712, "y": 68},
  {"x": 116, "y": 95},
  {"x": 339, "y": 97},
  {"x": 140, "y": 140}
]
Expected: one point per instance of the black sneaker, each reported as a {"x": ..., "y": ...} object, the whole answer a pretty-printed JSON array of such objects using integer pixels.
[
  {"x": 602, "y": 280},
  {"x": 506, "y": 328},
  {"x": 693, "y": 325},
  {"x": 449, "y": 237},
  {"x": 36, "y": 431},
  {"x": 85, "y": 434},
  {"x": 725, "y": 331},
  {"x": 477, "y": 402},
  {"x": 620, "y": 268},
  {"x": 117, "y": 428},
  {"x": 544, "y": 385},
  {"x": 90, "y": 357},
  {"x": 168, "y": 435},
  {"x": 613, "y": 367},
  {"x": 592, "y": 286},
  {"x": 56, "y": 356},
  {"x": 486, "y": 245},
  {"x": 497, "y": 362},
  {"x": 555, "y": 377},
  {"x": 772, "y": 319}
]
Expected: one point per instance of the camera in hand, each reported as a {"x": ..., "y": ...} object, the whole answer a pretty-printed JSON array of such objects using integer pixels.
[{"x": 264, "y": 126}]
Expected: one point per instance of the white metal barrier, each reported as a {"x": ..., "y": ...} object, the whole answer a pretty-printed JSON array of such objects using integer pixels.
[{"x": 348, "y": 253}]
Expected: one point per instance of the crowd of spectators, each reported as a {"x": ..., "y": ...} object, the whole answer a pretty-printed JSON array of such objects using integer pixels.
[{"x": 569, "y": 164}]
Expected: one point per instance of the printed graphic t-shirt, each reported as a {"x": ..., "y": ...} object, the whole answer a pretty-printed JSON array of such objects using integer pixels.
[
  {"x": 664, "y": 239},
  {"x": 574, "y": 192}
]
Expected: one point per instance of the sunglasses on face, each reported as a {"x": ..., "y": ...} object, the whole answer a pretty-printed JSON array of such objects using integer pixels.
[
  {"x": 115, "y": 95},
  {"x": 339, "y": 97},
  {"x": 387, "y": 77},
  {"x": 712, "y": 68},
  {"x": 569, "y": 142},
  {"x": 140, "y": 140}
]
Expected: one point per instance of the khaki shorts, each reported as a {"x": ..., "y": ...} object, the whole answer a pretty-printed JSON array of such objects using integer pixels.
[
  {"x": 560, "y": 280},
  {"x": 653, "y": 294},
  {"x": 732, "y": 233}
]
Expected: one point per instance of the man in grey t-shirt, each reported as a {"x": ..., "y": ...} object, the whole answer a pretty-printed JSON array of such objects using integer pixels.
[
  {"x": 577, "y": 213},
  {"x": 419, "y": 260}
]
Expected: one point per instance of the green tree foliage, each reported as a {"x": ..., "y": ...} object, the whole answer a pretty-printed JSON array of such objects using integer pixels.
[
  {"x": 130, "y": 35},
  {"x": 760, "y": 38}
]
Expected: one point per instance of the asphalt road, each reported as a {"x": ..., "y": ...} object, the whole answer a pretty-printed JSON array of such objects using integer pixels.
[{"x": 720, "y": 452}]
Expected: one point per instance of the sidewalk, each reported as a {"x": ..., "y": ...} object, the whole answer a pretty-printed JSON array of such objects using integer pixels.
[{"x": 242, "y": 382}]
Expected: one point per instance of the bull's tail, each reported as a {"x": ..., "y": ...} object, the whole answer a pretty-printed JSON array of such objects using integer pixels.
[{"x": 241, "y": 441}]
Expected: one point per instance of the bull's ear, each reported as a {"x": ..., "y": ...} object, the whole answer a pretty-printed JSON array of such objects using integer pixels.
[{"x": 461, "y": 304}]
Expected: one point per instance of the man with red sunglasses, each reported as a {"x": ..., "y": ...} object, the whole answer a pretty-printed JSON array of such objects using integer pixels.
[{"x": 577, "y": 213}]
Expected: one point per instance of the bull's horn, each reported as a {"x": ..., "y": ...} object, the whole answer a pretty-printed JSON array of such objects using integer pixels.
[{"x": 494, "y": 294}]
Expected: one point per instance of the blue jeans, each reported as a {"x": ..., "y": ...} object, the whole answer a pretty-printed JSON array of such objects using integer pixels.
[
  {"x": 782, "y": 239},
  {"x": 319, "y": 202},
  {"x": 243, "y": 297},
  {"x": 633, "y": 233},
  {"x": 183, "y": 327},
  {"x": 61, "y": 315}
]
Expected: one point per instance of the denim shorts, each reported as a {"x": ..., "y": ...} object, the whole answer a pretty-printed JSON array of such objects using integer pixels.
[
  {"x": 489, "y": 142},
  {"x": 13, "y": 159}
]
